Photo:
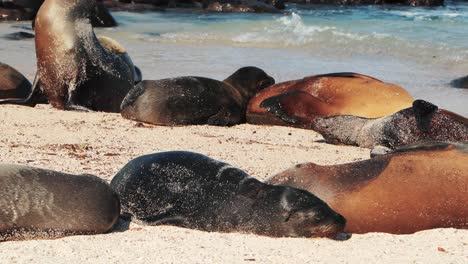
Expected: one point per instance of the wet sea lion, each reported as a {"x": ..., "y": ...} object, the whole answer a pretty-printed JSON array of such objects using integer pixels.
[
  {"x": 13, "y": 84},
  {"x": 331, "y": 94},
  {"x": 75, "y": 71},
  {"x": 422, "y": 122},
  {"x": 416, "y": 188},
  {"x": 194, "y": 191},
  {"x": 37, "y": 203},
  {"x": 20, "y": 35},
  {"x": 195, "y": 100},
  {"x": 460, "y": 82}
]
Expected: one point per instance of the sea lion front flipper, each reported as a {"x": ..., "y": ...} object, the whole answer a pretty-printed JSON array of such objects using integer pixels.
[
  {"x": 295, "y": 107},
  {"x": 423, "y": 112},
  {"x": 36, "y": 96},
  {"x": 225, "y": 117}
]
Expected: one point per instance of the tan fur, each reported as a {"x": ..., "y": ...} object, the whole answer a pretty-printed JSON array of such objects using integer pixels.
[
  {"x": 412, "y": 191},
  {"x": 358, "y": 95}
]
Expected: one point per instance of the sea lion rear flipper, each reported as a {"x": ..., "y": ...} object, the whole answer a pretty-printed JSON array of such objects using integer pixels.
[
  {"x": 423, "y": 112},
  {"x": 296, "y": 107},
  {"x": 36, "y": 96}
]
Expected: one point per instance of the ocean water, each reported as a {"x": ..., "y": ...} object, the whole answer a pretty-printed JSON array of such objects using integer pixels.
[{"x": 421, "y": 49}]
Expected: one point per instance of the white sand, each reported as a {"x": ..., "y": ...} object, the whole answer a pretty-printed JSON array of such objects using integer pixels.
[{"x": 101, "y": 143}]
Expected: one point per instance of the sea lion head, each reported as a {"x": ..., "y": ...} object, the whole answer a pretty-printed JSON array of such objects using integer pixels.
[
  {"x": 286, "y": 211},
  {"x": 249, "y": 80}
]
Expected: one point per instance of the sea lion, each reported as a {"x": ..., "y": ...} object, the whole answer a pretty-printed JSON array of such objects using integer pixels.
[
  {"x": 343, "y": 93},
  {"x": 195, "y": 100},
  {"x": 194, "y": 191},
  {"x": 38, "y": 203},
  {"x": 460, "y": 82},
  {"x": 422, "y": 122},
  {"x": 13, "y": 84},
  {"x": 20, "y": 35},
  {"x": 416, "y": 188},
  {"x": 75, "y": 71}
]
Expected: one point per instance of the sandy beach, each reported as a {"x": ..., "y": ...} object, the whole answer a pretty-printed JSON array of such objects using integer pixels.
[{"x": 102, "y": 143}]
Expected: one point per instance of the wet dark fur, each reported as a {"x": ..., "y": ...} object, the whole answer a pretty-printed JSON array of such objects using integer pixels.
[
  {"x": 194, "y": 191},
  {"x": 37, "y": 203},
  {"x": 423, "y": 122},
  {"x": 195, "y": 100},
  {"x": 86, "y": 77}
]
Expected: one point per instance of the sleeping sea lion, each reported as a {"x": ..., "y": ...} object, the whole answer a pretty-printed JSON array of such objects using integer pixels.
[
  {"x": 75, "y": 71},
  {"x": 416, "y": 188},
  {"x": 329, "y": 95},
  {"x": 195, "y": 100},
  {"x": 422, "y": 122},
  {"x": 37, "y": 203},
  {"x": 194, "y": 191}
]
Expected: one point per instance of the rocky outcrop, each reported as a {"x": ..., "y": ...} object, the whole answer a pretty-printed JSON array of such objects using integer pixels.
[
  {"x": 370, "y": 2},
  {"x": 251, "y": 6},
  {"x": 19, "y": 10}
]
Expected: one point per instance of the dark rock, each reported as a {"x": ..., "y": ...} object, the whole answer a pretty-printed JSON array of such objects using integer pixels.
[
  {"x": 20, "y": 10},
  {"x": 370, "y": 2},
  {"x": 228, "y": 6},
  {"x": 16, "y": 14}
]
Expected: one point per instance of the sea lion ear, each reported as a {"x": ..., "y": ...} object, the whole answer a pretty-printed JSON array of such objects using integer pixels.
[{"x": 423, "y": 112}]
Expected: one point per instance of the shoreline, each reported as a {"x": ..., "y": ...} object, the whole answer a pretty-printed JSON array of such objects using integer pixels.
[{"x": 102, "y": 143}]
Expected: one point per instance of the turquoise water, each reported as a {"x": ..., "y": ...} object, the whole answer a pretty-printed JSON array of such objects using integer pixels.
[{"x": 421, "y": 49}]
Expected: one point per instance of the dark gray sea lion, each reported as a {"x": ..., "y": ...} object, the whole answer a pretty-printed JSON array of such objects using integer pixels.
[
  {"x": 419, "y": 187},
  {"x": 195, "y": 100},
  {"x": 20, "y": 35},
  {"x": 75, "y": 71},
  {"x": 422, "y": 122},
  {"x": 194, "y": 191},
  {"x": 460, "y": 82},
  {"x": 13, "y": 84},
  {"x": 37, "y": 203}
]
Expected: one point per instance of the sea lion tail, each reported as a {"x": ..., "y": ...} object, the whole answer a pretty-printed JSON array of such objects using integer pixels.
[
  {"x": 423, "y": 112},
  {"x": 296, "y": 107},
  {"x": 35, "y": 97}
]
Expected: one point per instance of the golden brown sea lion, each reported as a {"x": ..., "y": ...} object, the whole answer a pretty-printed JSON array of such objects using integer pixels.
[
  {"x": 416, "y": 188},
  {"x": 74, "y": 70},
  {"x": 329, "y": 95}
]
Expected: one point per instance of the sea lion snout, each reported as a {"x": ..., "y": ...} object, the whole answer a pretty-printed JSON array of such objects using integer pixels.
[
  {"x": 310, "y": 216},
  {"x": 269, "y": 81}
]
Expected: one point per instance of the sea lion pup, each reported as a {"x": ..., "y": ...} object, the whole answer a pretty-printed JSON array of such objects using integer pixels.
[
  {"x": 75, "y": 71},
  {"x": 343, "y": 93},
  {"x": 416, "y": 188},
  {"x": 13, "y": 84},
  {"x": 195, "y": 100},
  {"x": 37, "y": 203},
  {"x": 422, "y": 122},
  {"x": 194, "y": 191}
]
